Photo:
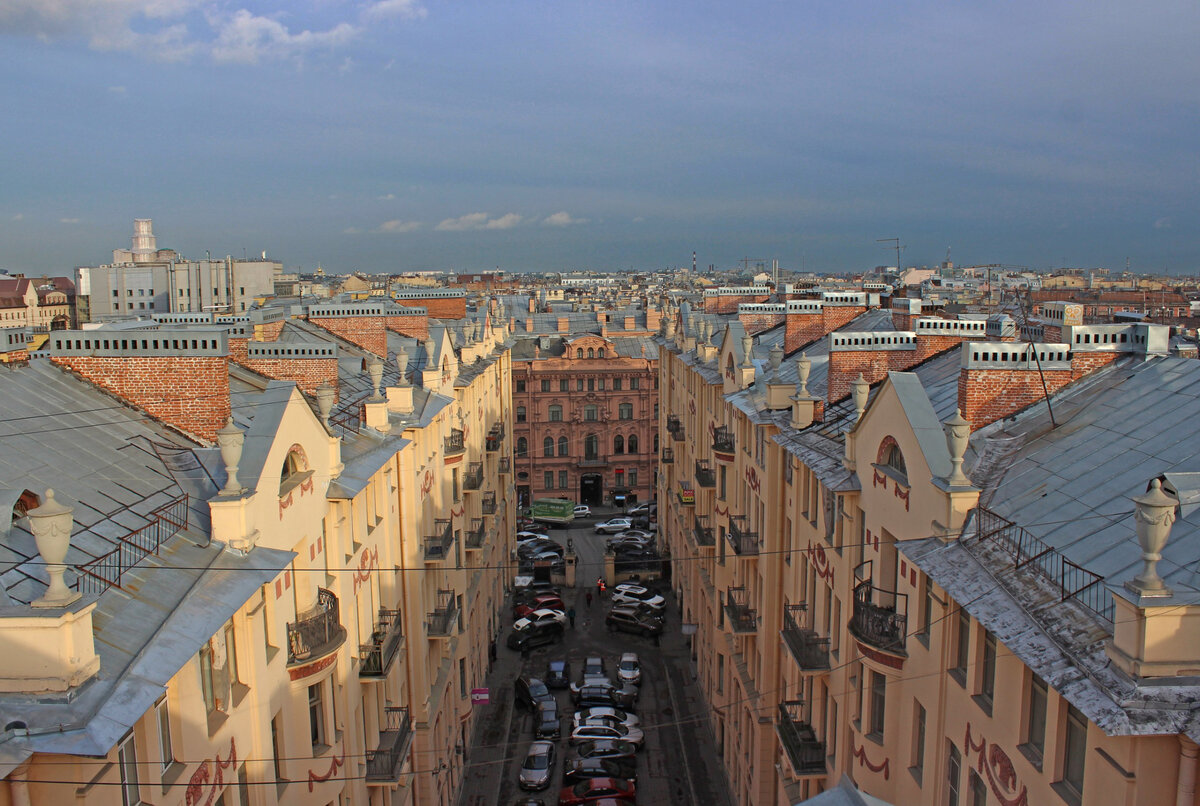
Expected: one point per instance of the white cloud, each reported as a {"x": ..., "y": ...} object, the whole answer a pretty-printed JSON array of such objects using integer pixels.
[
  {"x": 1166, "y": 222},
  {"x": 387, "y": 197},
  {"x": 18, "y": 217},
  {"x": 479, "y": 221},
  {"x": 506, "y": 221},
  {"x": 562, "y": 219},
  {"x": 404, "y": 9},
  {"x": 68, "y": 220},
  {"x": 352, "y": 231},
  {"x": 122, "y": 91},
  {"x": 398, "y": 226},
  {"x": 245, "y": 38}
]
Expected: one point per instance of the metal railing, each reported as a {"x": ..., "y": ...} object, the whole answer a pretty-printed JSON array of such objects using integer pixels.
[
  {"x": 702, "y": 531},
  {"x": 473, "y": 478},
  {"x": 673, "y": 424},
  {"x": 456, "y": 442},
  {"x": 805, "y": 753},
  {"x": 385, "y": 762},
  {"x": 1073, "y": 581},
  {"x": 437, "y": 545},
  {"x": 440, "y": 622},
  {"x": 593, "y": 461},
  {"x": 667, "y": 456},
  {"x": 809, "y": 649},
  {"x": 705, "y": 477},
  {"x": 494, "y": 437},
  {"x": 377, "y": 656},
  {"x": 742, "y": 617},
  {"x": 743, "y": 541},
  {"x": 318, "y": 633},
  {"x": 488, "y": 503},
  {"x": 723, "y": 439},
  {"x": 504, "y": 465},
  {"x": 476, "y": 534},
  {"x": 679, "y": 434},
  {"x": 882, "y": 626},
  {"x": 98, "y": 575}
]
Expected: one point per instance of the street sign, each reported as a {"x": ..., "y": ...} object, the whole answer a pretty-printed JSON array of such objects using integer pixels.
[
  {"x": 480, "y": 696},
  {"x": 689, "y": 629}
]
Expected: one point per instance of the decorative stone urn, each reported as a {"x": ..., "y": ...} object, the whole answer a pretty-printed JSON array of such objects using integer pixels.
[
  {"x": 230, "y": 439},
  {"x": 859, "y": 390},
  {"x": 803, "y": 369},
  {"x": 1153, "y": 516},
  {"x": 958, "y": 432},
  {"x": 51, "y": 526}
]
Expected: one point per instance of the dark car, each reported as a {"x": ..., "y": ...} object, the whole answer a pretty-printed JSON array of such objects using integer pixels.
[
  {"x": 546, "y": 721},
  {"x": 582, "y": 769},
  {"x": 558, "y": 673},
  {"x": 593, "y": 696},
  {"x": 621, "y": 619},
  {"x": 535, "y": 635},
  {"x": 529, "y": 691},
  {"x": 636, "y": 555},
  {"x": 606, "y": 748}
]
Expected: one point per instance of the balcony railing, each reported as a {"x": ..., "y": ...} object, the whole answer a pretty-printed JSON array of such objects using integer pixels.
[
  {"x": 455, "y": 443},
  {"x": 477, "y": 533},
  {"x": 494, "y": 437},
  {"x": 667, "y": 456},
  {"x": 805, "y": 753},
  {"x": 319, "y": 633},
  {"x": 686, "y": 493},
  {"x": 488, "y": 503},
  {"x": 877, "y": 618},
  {"x": 673, "y": 423},
  {"x": 705, "y": 477},
  {"x": 473, "y": 478},
  {"x": 741, "y": 539},
  {"x": 593, "y": 461},
  {"x": 809, "y": 649},
  {"x": 723, "y": 439},
  {"x": 385, "y": 763},
  {"x": 377, "y": 656},
  {"x": 437, "y": 545},
  {"x": 504, "y": 464},
  {"x": 678, "y": 434},
  {"x": 742, "y": 617},
  {"x": 96, "y": 576},
  {"x": 702, "y": 531},
  {"x": 440, "y": 622}
]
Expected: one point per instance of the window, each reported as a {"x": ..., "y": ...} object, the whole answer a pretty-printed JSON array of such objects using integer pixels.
[
  {"x": 548, "y": 479},
  {"x": 721, "y": 475},
  {"x": 1074, "y": 753},
  {"x": 600, "y": 353},
  {"x": 953, "y": 774},
  {"x": 894, "y": 459},
  {"x": 720, "y": 667},
  {"x": 548, "y": 446},
  {"x": 277, "y": 748},
  {"x": 978, "y": 789},
  {"x": 917, "y": 768},
  {"x": 316, "y": 715},
  {"x": 616, "y": 384},
  {"x": 563, "y": 385},
  {"x": 462, "y": 678},
  {"x": 625, "y": 411},
  {"x": 207, "y": 683},
  {"x": 591, "y": 447},
  {"x": 454, "y": 488},
  {"x": 591, "y": 353},
  {"x": 520, "y": 386},
  {"x": 127, "y": 762},
  {"x": 632, "y": 476},
  {"x": 656, "y": 442},
  {"x": 520, "y": 414},
  {"x": 589, "y": 412},
  {"x": 522, "y": 446},
  {"x": 878, "y": 697},
  {"x": 591, "y": 384},
  {"x": 600, "y": 384},
  {"x": 632, "y": 443},
  {"x": 556, "y": 414},
  {"x": 987, "y": 683},
  {"x": 163, "y": 715},
  {"x": 1035, "y": 730},
  {"x": 545, "y": 384},
  {"x": 962, "y": 647},
  {"x": 618, "y": 444},
  {"x": 579, "y": 352},
  {"x": 926, "y": 605},
  {"x": 562, "y": 479},
  {"x": 633, "y": 383},
  {"x": 562, "y": 446},
  {"x": 579, "y": 384}
]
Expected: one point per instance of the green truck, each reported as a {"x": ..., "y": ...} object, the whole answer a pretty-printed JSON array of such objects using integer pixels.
[{"x": 558, "y": 511}]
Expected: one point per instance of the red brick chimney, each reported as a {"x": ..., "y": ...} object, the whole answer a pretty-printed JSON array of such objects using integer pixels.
[
  {"x": 998, "y": 379},
  {"x": 358, "y": 323},
  {"x": 308, "y": 365},
  {"x": 904, "y": 311},
  {"x": 177, "y": 376},
  {"x": 757, "y": 317},
  {"x": 409, "y": 321},
  {"x": 563, "y": 324},
  {"x": 630, "y": 323}
]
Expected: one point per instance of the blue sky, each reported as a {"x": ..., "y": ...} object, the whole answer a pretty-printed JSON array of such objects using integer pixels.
[{"x": 384, "y": 135}]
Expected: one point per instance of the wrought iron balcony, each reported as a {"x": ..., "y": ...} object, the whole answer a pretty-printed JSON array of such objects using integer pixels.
[
  {"x": 494, "y": 437},
  {"x": 742, "y": 617},
  {"x": 504, "y": 464},
  {"x": 805, "y": 753},
  {"x": 440, "y": 622},
  {"x": 488, "y": 503},
  {"x": 723, "y": 439},
  {"x": 455, "y": 443},
  {"x": 473, "y": 478},
  {"x": 880, "y": 618},
  {"x": 743, "y": 541},
  {"x": 702, "y": 531},
  {"x": 593, "y": 461},
  {"x": 809, "y": 649},
  {"x": 678, "y": 434},
  {"x": 476, "y": 534},
  {"x": 385, "y": 762},
  {"x": 437, "y": 545},
  {"x": 319, "y": 633},
  {"x": 673, "y": 423},
  {"x": 705, "y": 477},
  {"x": 686, "y": 494},
  {"x": 376, "y": 657},
  {"x": 667, "y": 456}
]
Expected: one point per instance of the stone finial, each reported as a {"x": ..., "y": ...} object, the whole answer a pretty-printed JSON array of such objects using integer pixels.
[
  {"x": 375, "y": 370},
  {"x": 326, "y": 394},
  {"x": 51, "y": 526},
  {"x": 776, "y": 359},
  {"x": 402, "y": 366},
  {"x": 958, "y": 432},
  {"x": 859, "y": 390},
  {"x": 803, "y": 369},
  {"x": 747, "y": 350},
  {"x": 1153, "y": 516},
  {"x": 430, "y": 347},
  {"x": 669, "y": 329},
  {"x": 230, "y": 440}
]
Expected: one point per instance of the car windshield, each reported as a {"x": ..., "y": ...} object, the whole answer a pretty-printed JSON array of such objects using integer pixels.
[
  {"x": 537, "y": 688},
  {"x": 539, "y": 762},
  {"x": 628, "y": 665}
]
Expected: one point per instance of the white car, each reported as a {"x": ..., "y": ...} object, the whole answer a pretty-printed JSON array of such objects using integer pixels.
[
  {"x": 629, "y": 669},
  {"x": 583, "y": 511},
  {"x": 637, "y": 534},
  {"x": 637, "y": 595},
  {"x": 525, "y": 537},
  {"x": 547, "y": 614},
  {"x": 613, "y": 525},
  {"x": 602, "y": 712},
  {"x": 592, "y": 680},
  {"x": 603, "y": 729}
]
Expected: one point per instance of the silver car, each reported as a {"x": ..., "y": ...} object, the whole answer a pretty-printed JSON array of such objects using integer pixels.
[
  {"x": 603, "y": 728},
  {"x": 538, "y": 767},
  {"x": 629, "y": 670}
]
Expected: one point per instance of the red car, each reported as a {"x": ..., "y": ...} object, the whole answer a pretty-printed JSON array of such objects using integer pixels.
[
  {"x": 545, "y": 601},
  {"x": 595, "y": 789}
]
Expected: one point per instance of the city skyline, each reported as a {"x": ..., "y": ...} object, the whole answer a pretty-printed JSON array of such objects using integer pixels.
[{"x": 396, "y": 135}]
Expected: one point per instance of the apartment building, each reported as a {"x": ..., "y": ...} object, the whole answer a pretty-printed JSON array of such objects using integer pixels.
[
  {"x": 931, "y": 559},
  {"x": 39, "y": 304},
  {"x": 267, "y": 570}
]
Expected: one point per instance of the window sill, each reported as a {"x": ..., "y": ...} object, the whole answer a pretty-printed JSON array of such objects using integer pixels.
[
  {"x": 923, "y": 637},
  {"x": 875, "y": 737},
  {"x": 984, "y": 703},
  {"x": 1067, "y": 793},
  {"x": 171, "y": 774},
  {"x": 1032, "y": 755},
  {"x": 916, "y": 773},
  {"x": 293, "y": 481},
  {"x": 238, "y": 692},
  {"x": 959, "y": 676},
  {"x": 215, "y": 720}
]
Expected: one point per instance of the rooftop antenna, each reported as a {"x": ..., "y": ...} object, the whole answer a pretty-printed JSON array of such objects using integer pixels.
[
  {"x": 895, "y": 242},
  {"x": 1033, "y": 349}
]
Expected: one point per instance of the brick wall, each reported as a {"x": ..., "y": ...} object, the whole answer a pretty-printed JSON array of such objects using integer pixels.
[
  {"x": 988, "y": 395},
  {"x": 416, "y": 327},
  {"x": 844, "y": 365},
  {"x": 367, "y": 332},
  {"x": 901, "y": 320},
  {"x": 802, "y": 329},
  {"x": 307, "y": 373},
  {"x": 442, "y": 307},
  {"x": 728, "y": 303},
  {"x": 758, "y": 322},
  {"x": 269, "y": 331},
  {"x": 190, "y": 393},
  {"x": 1086, "y": 363}
]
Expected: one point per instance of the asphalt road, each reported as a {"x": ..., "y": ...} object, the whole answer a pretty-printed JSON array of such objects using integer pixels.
[{"x": 678, "y": 764}]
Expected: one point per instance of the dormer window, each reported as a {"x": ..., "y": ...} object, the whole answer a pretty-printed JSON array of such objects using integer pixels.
[
  {"x": 890, "y": 460},
  {"x": 295, "y": 470},
  {"x": 895, "y": 460}
]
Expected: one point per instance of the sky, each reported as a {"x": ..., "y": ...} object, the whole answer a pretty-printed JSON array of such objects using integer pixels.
[{"x": 392, "y": 135}]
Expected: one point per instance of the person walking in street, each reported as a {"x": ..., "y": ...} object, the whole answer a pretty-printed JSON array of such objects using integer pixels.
[
  {"x": 589, "y": 599},
  {"x": 571, "y": 616}
]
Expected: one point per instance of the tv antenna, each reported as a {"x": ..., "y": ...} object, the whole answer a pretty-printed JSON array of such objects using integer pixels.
[{"x": 895, "y": 242}]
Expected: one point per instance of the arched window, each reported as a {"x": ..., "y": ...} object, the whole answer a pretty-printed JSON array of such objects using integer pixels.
[
  {"x": 600, "y": 353},
  {"x": 522, "y": 446},
  {"x": 294, "y": 470},
  {"x": 633, "y": 446},
  {"x": 618, "y": 444},
  {"x": 579, "y": 352},
  {"x": 548, "y": 446},
  {"x": 589, "y": 412},
  {"x": 890, "y": 457},
  {"x": 562, "y": 446},
  {"x": 625, "y": 411},
  {"x": 591, "y": 353},
  {"x": 556, "y": 414},
  {"x": 520, "y": 414}
]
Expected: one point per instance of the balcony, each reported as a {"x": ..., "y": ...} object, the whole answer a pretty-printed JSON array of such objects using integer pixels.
[
  {"x": 594, "y": 460},
  {"x": 476, "y": 534},
  {"x": 723, "y": 440},
  {"x": 799, "y": 741},
  {"x": 678, "y": 434},
  {"x": 455, "y": 443},
  {"x": 504, "y": 465},
  {"x": 384, "y": 764},
  {"x": 319, "y": 633},
  {"x": 877, "y": 620},
  {"x": 810, "y": 650},
  {"x": 743, "y": 541},
  {"x": 495, "y": 437},
  {"x": 473, "y": 478},
  {"x": 440, "y": 622},
  {"x": 686, "y": 494},
  {"x": 376, "y": 657},
  {"x": 667, "y": 456},
  {"x": 437, "y": 545},
  {"x": 742, "y": 618},
  {"x": 702, "y": 532},
  {"x": 705, "y": 477},
  {"x": 673, "y": 423},
  {"x": 488, "y": 503}
]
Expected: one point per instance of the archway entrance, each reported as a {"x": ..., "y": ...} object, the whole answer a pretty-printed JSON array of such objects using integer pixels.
[{"x": 591, "y": 489}]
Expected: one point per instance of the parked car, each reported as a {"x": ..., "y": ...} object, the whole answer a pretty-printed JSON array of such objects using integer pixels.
[
  {"x": 636, "y": 594},
  {"x": 537, "y": 767},
  {"x": 606, "y": 748},
  {"x": 642, "y": 522},
  {"x": 613, "y": 525},
  {"x": 605, "y": 695},
  {"x": 583, "y": 511},
  {"x": 581, "y": 769},
  {"x": 529, "y": 594},
  {"x": 594, "y": 789},
  {"x": 640, "y": 509},
  {"x": 638, "y": 533},
  {"x": 547, "y": 724},
  {"x": 558, "y": 673},
  {"x": 543, "y": 601},
  {"x": 540, "y": 802},
  {"x": 541, "y": 616},
  {"x": 624, "y": 539},
  {"x": 616, "y": 714},
  {"x": 636, "y": 555},
  {"x": 629, "y": 668},
  {"x": 593, "y": 666},
  {"x": 529, "y": 691},
  {"x": 534, "y": 635},
  {"x": 630, "y": 621},
  {"x": 602, "y": 728},
  {"x": 525, "y": 536}
]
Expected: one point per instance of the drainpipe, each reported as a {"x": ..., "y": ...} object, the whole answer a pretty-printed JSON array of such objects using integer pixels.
[{"x": 1185, "y": 794}]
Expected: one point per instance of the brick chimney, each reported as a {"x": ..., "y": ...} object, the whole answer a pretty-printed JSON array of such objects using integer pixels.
[
  {"x": 308, "y": 365},
  {"x": 358, "y": 323},
  {"x": 178, "y": 376},
  {"x": 757, "y": 317},
  {"x": 653, "y": 319},
  {"x": 532, "y": 305},
  {"x": 998, "y": 379},
  {"x": 529, "y": 324},
  {"x": 408, "y": 321},
  {"x": 563, "y": 324},
  {"x": 904, "y": 311},
  {"x": 630, "y": 323}
]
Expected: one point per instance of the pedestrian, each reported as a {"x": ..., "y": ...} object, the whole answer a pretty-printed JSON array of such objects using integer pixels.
[
  {"x": 600, "y": 588},
  {"x": 589, "y": 598},
  {"x": 571, "y": 616}
]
